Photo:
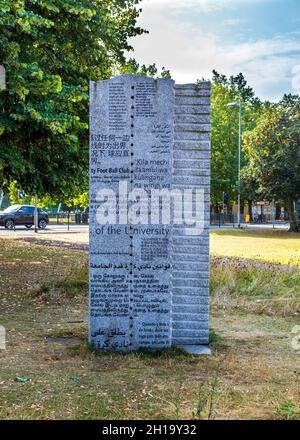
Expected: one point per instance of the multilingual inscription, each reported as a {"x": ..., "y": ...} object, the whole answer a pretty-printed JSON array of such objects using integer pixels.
[
  {"x": 131, "y": 136},
  {"x": 149, "y": 277}
]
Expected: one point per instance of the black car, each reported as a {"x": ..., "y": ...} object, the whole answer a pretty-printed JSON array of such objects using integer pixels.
[{"x": 22, "y": 215}]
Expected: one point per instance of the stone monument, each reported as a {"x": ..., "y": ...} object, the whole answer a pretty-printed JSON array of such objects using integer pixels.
[{"x": 149, "y": 213}]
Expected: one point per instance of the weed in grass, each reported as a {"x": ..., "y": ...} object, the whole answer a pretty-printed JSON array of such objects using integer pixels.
[
  {"x": 172, "y": 400},
  {"x": 205, "y": 405},
  {"x": 175, "y": 400},
  {"x": 288, "y": 411},
  {"x": 214, "y": 339},
  {"x": 75, "y": 285}
]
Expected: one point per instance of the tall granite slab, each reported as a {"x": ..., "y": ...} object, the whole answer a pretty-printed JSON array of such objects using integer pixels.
[
  {"x": 149, "y": 279},
  {"x": 131, "y": 141},
  {"x": 190, "y": 253}
]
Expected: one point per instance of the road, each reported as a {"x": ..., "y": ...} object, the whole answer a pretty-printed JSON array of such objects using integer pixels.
[{"x": 23, "y": 231}]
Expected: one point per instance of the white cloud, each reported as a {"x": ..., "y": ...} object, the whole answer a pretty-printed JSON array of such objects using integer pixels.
[
  {"x": 233, "y": 22},
  {"x": 267, "y": 64},
  {"x": 201, "y": 5},
  {"x": 296, "y": 78}
]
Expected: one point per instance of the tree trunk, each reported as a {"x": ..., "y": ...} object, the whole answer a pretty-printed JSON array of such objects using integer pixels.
[
  {"x": 250, "y": 209},
  {"x": 292, "y": 217},
  {"x": 278, "y": 212}
]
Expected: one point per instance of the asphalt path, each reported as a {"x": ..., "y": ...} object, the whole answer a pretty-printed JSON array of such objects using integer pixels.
[{"x": 22, "y": 230}]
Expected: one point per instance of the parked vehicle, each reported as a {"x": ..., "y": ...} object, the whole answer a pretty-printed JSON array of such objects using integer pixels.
[{"x": 17, "y": 215}]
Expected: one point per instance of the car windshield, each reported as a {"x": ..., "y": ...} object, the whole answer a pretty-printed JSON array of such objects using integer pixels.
[{"x": 12, "y": 208}]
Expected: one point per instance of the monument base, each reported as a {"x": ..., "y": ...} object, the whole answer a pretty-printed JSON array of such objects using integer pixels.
[{"x": 196, "y": 349}]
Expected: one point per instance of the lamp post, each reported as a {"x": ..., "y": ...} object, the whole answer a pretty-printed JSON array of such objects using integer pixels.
[
  {"x": 239, "y": 104},
  {"x": 36, "y": 215},
  {"x": 2, "y": 78}
]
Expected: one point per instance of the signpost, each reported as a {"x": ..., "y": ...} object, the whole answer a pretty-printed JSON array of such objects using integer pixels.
[{"x": 35, "y": 213}]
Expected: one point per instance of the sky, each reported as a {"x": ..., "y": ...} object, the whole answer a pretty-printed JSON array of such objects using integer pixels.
[{"x": 260, "y": 38}]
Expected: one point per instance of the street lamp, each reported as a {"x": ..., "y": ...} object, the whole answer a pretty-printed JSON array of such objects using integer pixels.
[
  {"x": 2, "y": 78},
  {"x": 239, "y": 104}
]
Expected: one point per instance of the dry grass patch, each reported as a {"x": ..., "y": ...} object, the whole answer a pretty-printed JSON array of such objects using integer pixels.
[
  {"x": 251, "y": 374},
  {"x": 263, "y": 289}
]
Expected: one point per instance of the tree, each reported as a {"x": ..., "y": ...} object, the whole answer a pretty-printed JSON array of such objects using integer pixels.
[
  {"x": 224, "y": 146},
  {"x": 134, "y": 68},
  {"x": 249, "y": 189},
  {"x": 82, "y": 201},
  {"x": 274, "y": 152},
  {"x": 51, "y": 49}
]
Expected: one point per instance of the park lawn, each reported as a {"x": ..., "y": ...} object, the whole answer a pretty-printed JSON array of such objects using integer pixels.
[
  {"x": 272, "y": 246},
  {"x": 269, "y": 246},
  {"x": 253, "y": 372}
]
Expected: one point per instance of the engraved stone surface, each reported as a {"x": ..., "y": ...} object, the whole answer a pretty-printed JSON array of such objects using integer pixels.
[
  {"x": 149, "y": 280},
  {"x": 131, "y": 140},
  {"x": 190, "y": 255}
]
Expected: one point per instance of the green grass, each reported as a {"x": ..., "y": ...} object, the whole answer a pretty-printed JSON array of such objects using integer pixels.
[
  {"x": 271, "y": 246},
  {"x": 72, "y": 285},
  {"x": 288, "y": 411},
  {"x": 251, "y": 374}
]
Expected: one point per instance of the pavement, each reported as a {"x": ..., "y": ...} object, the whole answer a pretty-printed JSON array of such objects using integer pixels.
[
  {"x": 52, "y": 235},
  {"x": 23, "y": 231}
]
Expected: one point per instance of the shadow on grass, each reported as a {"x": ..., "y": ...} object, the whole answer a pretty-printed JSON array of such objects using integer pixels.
[
  {"x": 83, "y": 349},
  {"x": 86, "y": 349}
]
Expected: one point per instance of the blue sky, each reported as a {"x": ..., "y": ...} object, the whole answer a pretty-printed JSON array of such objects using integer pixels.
[{"x": 260, "y": 38}]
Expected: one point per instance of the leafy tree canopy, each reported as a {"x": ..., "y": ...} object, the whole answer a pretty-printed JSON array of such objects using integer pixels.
[
  {"x": 51, "y": 49},
  {"x": 274, "y": 153},
  {"x": 224, "y": 147}
]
